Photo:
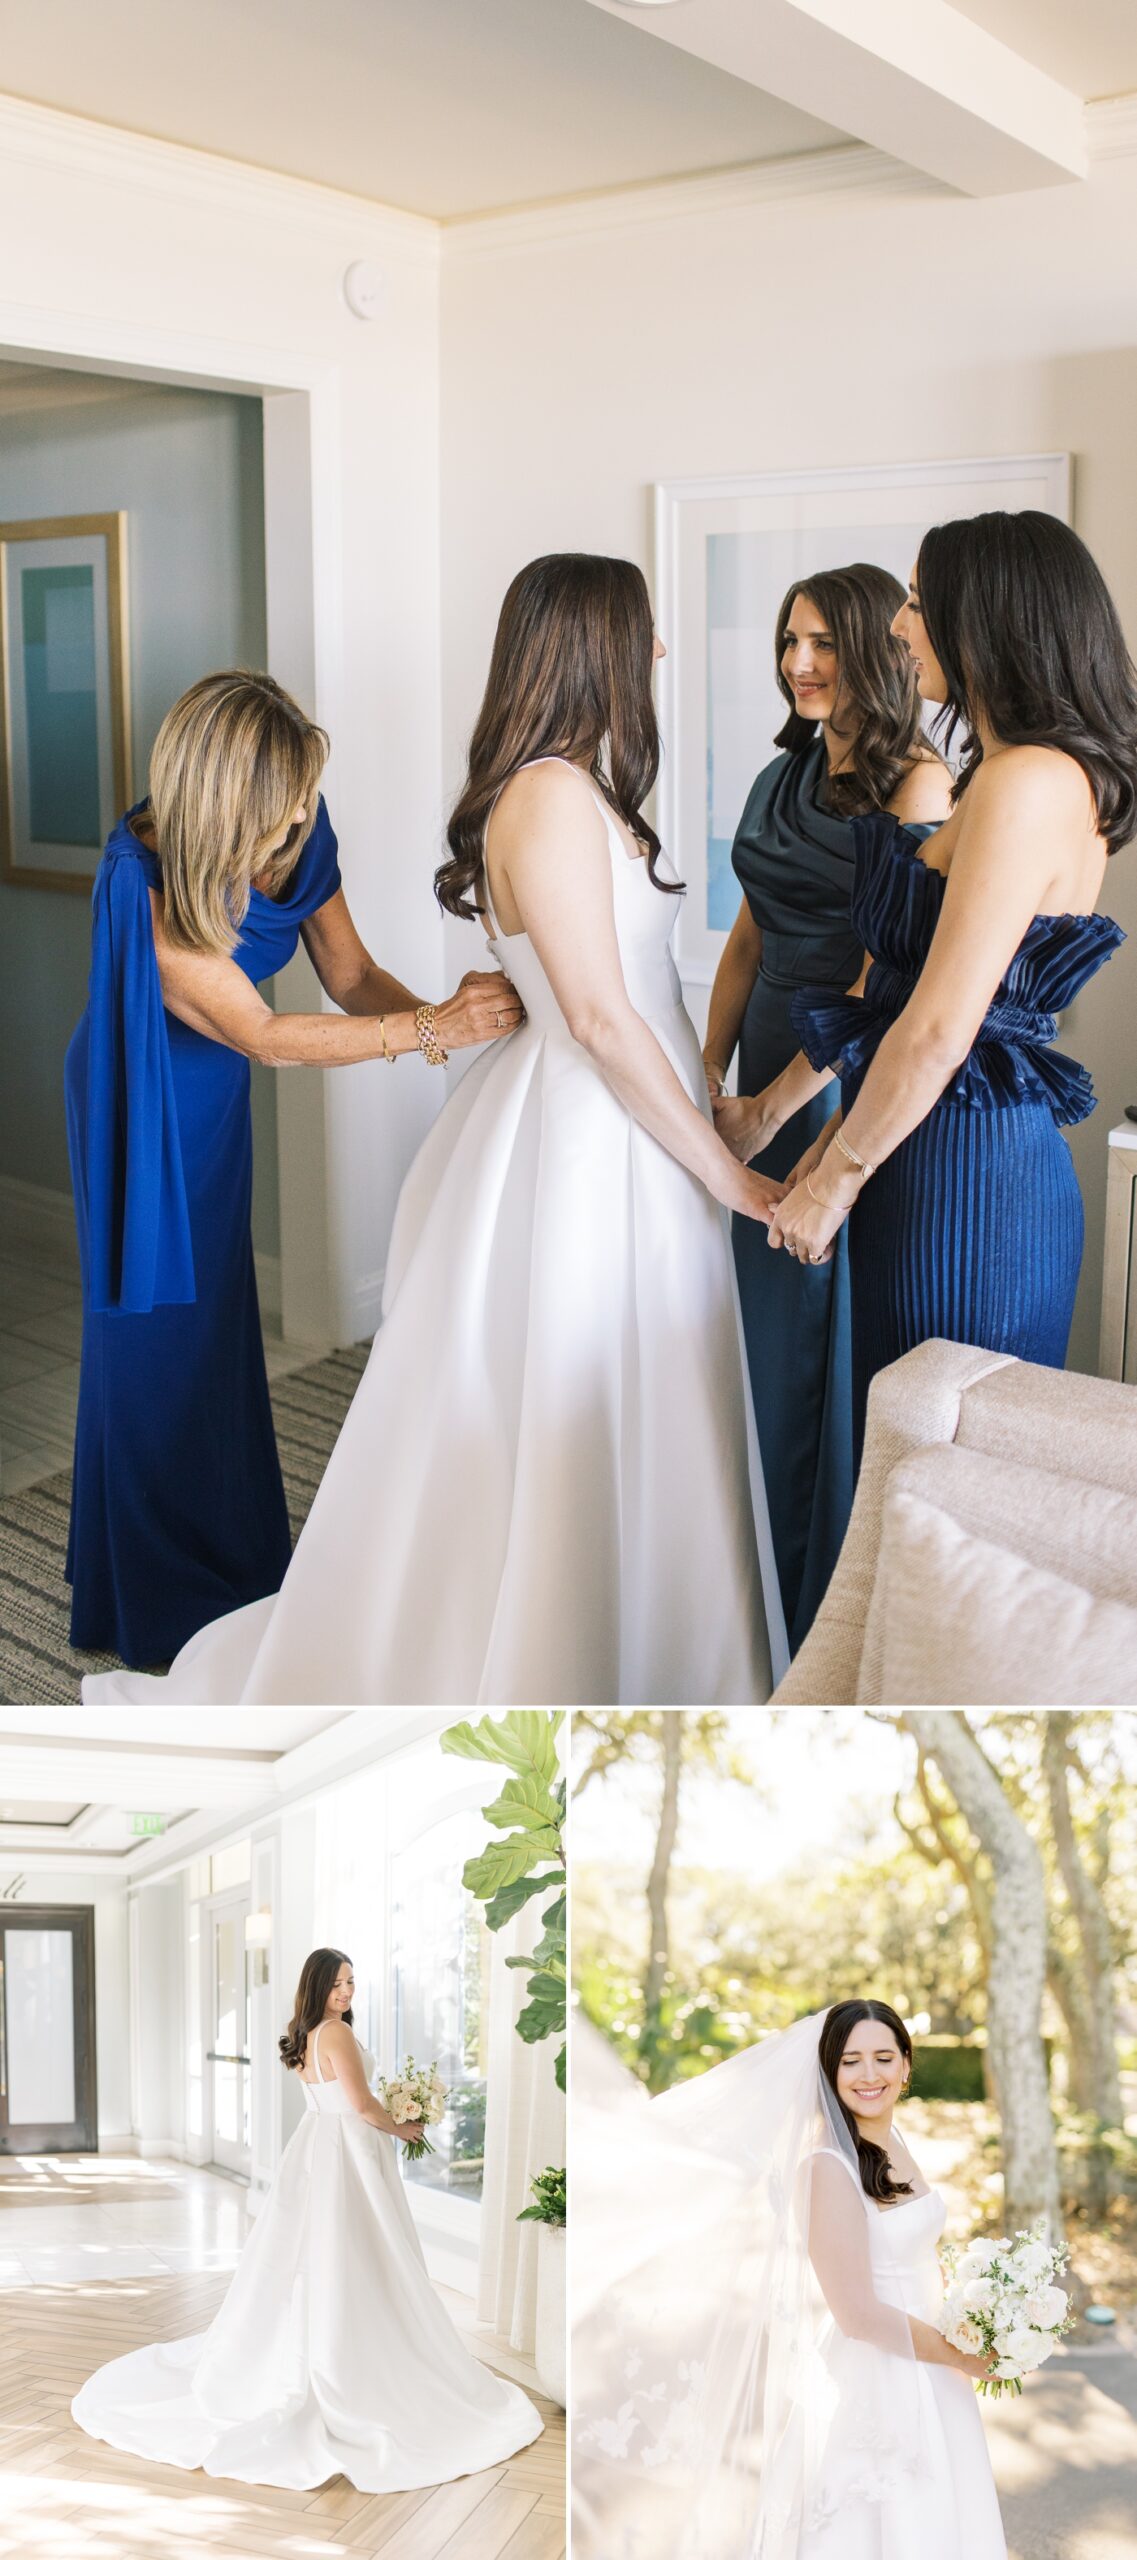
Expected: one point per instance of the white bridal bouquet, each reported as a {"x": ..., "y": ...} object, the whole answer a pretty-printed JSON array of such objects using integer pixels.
[
  {"x": 414, "y": 2090},
  {"x": 1002, "y": 2300}
]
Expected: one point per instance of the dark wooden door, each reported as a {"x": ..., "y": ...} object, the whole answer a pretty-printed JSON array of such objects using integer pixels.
[{"x": 48, "y": 2098}]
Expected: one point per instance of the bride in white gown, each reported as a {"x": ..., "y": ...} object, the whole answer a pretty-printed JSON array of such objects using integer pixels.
[
  {"x": 757, "y": 2374},
  {"x": 331, "y": 2351},
  {"x": 547, "y": 1489}
]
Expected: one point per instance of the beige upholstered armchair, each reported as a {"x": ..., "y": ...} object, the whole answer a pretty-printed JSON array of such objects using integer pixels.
[{"x": 991, "y": 1559}]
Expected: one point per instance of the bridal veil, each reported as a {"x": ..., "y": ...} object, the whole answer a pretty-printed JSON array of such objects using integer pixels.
[{"x": 721, "y": 2270}]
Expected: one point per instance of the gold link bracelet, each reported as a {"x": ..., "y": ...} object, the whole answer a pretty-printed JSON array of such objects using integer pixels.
[{"x": 426, "y": 1033}]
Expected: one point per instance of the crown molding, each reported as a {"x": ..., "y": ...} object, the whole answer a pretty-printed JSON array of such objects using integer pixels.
[
  {"x": 80, "y": 147},
  {"x": 1111, "y": 127},
  {"x": 843, "y": 168}
]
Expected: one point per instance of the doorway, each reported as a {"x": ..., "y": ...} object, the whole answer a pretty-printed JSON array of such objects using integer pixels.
[
  {"x": 230, "y": 2025},
  {"x": 48, "y": 2096}
]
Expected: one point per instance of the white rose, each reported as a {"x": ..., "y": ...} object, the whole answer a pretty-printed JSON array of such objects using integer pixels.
[
  {"x": 1033, "y": 2262},
  {"x": 979, "y": 2254},
  {"x": 1027, "y": 2349},
  {"x": 979, "y": 2294},
  {"x": 966, "y": 2337},
  {"x": 1047, "y": 2307}
]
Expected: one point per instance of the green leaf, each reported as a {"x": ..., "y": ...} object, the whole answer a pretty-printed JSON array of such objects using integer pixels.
[
  {"x": 502, "y": 1864},
  {"x": 525, "y": 1739},
  {"x": 526, "y": 1801},
  {"x": 560, "y": 2066},
  {"x": 543, "y": 2017},
  {"x": 513, "y": 1896}
]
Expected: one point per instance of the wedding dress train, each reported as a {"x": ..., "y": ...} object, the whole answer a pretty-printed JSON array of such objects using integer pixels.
[
  {"x": 331, "y": 2351},
  {"x": 547, "y": 1490}
]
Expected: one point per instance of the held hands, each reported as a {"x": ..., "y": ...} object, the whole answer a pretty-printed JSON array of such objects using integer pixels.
[
  {"x": 747, "y": 1124},
  {"x": 808, "y": 1218},
  {"x": 486, "y": 1007}
]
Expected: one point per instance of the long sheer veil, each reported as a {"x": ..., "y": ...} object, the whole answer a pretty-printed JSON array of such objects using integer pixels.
[{"x": 722, "y": 2403}]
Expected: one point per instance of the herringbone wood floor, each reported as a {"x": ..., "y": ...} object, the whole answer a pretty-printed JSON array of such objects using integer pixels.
[{"x": 64, "y": 2497}]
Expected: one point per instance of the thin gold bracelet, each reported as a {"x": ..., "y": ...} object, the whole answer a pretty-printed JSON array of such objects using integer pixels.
[
  {"x": 865, "y": 1170},
  {"x": 389, "y": 1054}
]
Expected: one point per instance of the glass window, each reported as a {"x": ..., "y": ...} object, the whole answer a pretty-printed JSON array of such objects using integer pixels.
[{"x": 441, "y": 1986}]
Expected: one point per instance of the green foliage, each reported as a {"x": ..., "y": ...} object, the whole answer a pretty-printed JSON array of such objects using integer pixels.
[
  {"x": 549, "y": 2188},
  {"x": 530, "y": 1813},
  {"x": 943, "y": 2067}
]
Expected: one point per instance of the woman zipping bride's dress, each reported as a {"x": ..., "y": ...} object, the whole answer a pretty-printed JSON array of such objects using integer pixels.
[
  {"x": 547, "y": 1489},
  {"x": 331, "y": 2351}
]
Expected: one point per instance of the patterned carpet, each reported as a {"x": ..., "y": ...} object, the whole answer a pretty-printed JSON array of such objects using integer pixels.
[{"x": 37, "y": 1665}]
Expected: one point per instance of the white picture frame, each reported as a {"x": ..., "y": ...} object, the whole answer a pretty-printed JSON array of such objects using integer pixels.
[
  {"x": 65, "y": 728},
  {"x": 734, "y": 544}
]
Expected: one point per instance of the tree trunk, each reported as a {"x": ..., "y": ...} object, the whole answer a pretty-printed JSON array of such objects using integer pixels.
[
  {"x": 1092, "y": 1922},
  {"x": 1069, "y": 1995},
  {"x": 1018, "y": 1966},
  {"x": 659, "y": 1945}
]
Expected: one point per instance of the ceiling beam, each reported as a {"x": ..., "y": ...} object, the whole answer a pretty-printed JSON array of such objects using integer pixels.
[{"x": 913, "y": 77}]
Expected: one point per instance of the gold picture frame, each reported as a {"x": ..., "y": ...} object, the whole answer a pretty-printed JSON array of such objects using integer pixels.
[{"x": 65, "y": 713}]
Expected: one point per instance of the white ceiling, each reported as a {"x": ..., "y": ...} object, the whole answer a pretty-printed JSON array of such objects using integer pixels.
[
  {"x": 1090, "y": 45},
  {"x": 443, "y": 107},
  {"x": 72, "y": 1780}
]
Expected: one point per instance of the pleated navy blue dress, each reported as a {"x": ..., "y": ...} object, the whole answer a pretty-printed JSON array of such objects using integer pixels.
[
  {"x": 972, "y": 1229},
  {"x": 794, "y": 857},
  {"x": 178, "y": 1510}
]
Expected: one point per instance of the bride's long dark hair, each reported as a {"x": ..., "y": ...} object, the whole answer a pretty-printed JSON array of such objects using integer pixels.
[
  {"x": 313, "y": 1992},
  {"x": 570, "y": 674},
  {"x": 872, "y": 2160}
]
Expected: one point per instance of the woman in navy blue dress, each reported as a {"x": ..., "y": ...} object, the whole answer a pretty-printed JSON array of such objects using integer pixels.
[
  {"x": 966, "y": 1217},
  {"x": 852, "y": 743},
  {"x": 203, "y": 891}
]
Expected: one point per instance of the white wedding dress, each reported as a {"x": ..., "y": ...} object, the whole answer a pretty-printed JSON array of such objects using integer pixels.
[
  {"x": 947, "y": 2508},
  {"x": 331, "y": 2351},
  {"x": 745, "y": 2378},
  {"x": 547, "y": 1490}
]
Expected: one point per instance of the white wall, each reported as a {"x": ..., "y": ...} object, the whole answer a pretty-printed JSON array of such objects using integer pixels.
[
  {"x": 112, "y": 1985},
  {"x": 594, "y": 356},
  {"x": 152, "y": 259},
  {"x": 158, "y": 1997}
]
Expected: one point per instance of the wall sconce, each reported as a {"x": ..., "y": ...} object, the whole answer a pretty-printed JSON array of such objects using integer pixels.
[{"x": 258, "y": 1939}]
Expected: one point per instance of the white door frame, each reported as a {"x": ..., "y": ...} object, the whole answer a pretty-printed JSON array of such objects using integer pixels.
[
  {"x": 303, "y": 596},
  {"x": 237, "y": 1900}
]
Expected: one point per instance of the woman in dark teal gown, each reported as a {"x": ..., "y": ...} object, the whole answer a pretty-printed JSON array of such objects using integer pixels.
[
  {"x": 178, "y": 1510},
  {"x": 963, "y": 1206},
  {"x": 793, "y": 854}
]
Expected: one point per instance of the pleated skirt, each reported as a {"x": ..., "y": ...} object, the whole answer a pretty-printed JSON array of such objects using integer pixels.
[{"x": 972, "y": 1231}]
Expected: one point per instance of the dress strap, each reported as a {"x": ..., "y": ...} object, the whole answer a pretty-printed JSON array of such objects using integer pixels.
[{"x": 316, "y": 2053}]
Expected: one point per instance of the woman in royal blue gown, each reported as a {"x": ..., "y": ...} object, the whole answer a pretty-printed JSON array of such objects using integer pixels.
[
  {"x": 966, "y": 1217},
  {"x": 852, "y": 743},
  {"x": 203, "y": 891}
]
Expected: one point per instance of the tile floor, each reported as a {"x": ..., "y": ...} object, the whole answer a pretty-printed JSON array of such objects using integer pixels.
[
  {"x": 40, "y": 1327},
  {"x": 202, "y": 2225}
]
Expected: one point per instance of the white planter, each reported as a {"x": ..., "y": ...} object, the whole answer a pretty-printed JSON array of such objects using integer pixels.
[{"x": 550, "y": 2354}]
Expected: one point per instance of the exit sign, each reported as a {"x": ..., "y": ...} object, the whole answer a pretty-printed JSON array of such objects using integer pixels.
[{"x": 145, "y": 1823}]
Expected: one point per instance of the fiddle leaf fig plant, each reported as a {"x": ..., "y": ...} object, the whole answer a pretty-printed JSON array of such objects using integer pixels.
[{"x": 529, "y": 1857}]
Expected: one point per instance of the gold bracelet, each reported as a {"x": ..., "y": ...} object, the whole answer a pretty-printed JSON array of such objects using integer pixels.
[
  {"x": 815, "y": 1195},
  {"x": 864, "y": 1170},
  {"x": 389, "y": 1054},
  {"x": 426, "y": 1033}
]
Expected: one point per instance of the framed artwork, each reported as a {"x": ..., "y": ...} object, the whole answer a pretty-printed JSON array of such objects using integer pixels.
[
  {"x": 64, "y": 697},
  {"x": 726, "y": 552}
]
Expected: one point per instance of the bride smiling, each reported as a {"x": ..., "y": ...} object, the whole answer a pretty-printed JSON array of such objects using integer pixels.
[{"x": 758, "y": 2373}]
